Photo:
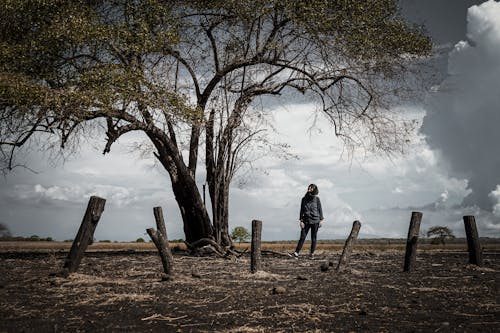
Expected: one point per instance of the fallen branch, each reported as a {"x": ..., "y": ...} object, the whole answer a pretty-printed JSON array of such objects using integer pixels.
[
  {"x": 274, "y": 253},
  {"x": 158, "y": 316}
]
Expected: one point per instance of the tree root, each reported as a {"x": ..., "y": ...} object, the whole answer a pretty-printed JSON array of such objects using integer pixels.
[{"x": 207, "y": 246}]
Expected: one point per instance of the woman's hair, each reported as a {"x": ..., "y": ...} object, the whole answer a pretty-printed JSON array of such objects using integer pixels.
[{"x": 315, "y": 190}]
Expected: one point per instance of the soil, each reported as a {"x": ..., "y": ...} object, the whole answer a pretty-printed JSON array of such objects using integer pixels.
[{"x": 124, "y": 292}]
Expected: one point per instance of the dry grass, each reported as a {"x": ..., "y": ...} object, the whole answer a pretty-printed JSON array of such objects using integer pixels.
[{"x": 280, "y": 247}]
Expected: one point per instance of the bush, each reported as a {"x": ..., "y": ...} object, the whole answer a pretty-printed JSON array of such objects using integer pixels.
[{"x": 140, "y": 240}]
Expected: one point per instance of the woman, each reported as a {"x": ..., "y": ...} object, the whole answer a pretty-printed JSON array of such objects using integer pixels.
[{"x": 311, "y": 218}]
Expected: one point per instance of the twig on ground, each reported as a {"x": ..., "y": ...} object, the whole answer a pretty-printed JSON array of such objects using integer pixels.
[{"x": 158, "y": 316}]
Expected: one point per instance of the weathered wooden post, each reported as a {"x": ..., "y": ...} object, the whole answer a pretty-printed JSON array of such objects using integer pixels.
[
  {"x": 349, "y": 243},
  {"x": 160, "y": 239},
  {"x": 411, "y": 242},
  {"x": 255, "y": 255},
  {"x": 473, "y": 244},
  {"x": 85, "y": 234}
]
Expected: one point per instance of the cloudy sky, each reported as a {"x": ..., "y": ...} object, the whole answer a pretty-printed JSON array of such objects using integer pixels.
[{"x": 451, "y": 169}]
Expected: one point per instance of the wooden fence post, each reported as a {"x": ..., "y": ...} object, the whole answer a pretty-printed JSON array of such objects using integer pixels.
[
  {"x": 349, "y": 243},
  {"x": 473, "y": 244},
  {"x": 411, "y": 242},
  {"x": 160, "y": 239},
  {"x": 85, "y": 235},
  {"x": 255, "y": 255}
]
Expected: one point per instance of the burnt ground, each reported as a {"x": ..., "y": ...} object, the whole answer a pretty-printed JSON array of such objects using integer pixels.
[{"x": 123, "y": 292}]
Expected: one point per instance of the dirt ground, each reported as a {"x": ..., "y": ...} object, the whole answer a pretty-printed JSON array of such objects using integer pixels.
[{"x": 122, "y": 291}]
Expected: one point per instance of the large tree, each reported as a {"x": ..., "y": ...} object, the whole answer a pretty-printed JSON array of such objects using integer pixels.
[{"x": 188, "y": 73}]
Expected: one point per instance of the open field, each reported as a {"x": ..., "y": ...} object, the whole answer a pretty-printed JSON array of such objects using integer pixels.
[
  {"x": 281, "y": 246},
  {"x": 118, "y": 288}
]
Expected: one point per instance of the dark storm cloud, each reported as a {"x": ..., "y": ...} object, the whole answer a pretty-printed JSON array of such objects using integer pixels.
[{"x": 464, "y": 113}]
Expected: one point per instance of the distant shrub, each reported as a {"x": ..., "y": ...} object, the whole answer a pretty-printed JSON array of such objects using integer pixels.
[
  {"x": 440, "y": 235},
  {"x": 139, "y": 240},
  {"x": 240, "y": 234},
  {"x": 4, "y": 231},
  {"x": 105, "y": 241},
  {"x": 180, "y": 240},
  {"x": 34, "y": 238}
]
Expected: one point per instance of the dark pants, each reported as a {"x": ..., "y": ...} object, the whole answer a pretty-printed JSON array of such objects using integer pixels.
[{"x": 303, "y": 234}]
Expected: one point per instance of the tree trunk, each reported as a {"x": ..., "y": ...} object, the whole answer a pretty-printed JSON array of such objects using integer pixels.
[
  {"x": 221, "y": 216},
  {"x": 219, "y": 196},
  {"x": 194, "y": 214}
]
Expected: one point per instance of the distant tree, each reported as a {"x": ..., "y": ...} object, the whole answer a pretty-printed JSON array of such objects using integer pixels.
[
  {"x": 440, "y": 234},
  {"x": 240, "y": 234},
  {"x": 140, "y": 240},
  {"x": 34, "y": 238},
  {"x": 4, "y": 231}
]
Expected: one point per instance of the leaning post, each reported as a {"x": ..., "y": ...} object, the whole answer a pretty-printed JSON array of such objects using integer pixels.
[
  {"x": 349, "y": 243},
  {"x": 85, "y": 234},
  {"x": 411, "y": 242},
  {"x": 160, "y": 239},
  {"x": 473, "y": 244},
  {"x": 255, "y": 255}
]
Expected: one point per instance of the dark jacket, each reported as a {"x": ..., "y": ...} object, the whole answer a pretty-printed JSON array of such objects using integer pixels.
[{"x": 310, "y": 209}]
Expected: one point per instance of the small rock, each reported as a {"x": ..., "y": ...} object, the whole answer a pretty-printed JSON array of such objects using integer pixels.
[
  {"x": 195, "y": 273},
  {"x": 324, "y": 267},
  {"x": 303, "y": 278},
  {"x": 445, "y": 323},
  {"x": 279, "y": 290}
]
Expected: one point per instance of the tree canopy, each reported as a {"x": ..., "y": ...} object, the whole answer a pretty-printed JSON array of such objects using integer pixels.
[{"x": 178, "y": 70}]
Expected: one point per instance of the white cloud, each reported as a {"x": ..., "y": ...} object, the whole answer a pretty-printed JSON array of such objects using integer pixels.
[
  {"x": 455, "y": 190},
  {"x": 115, "y": 195},
  {"x": 397, "y": 190},
  {"x": 495, "y": 197}
]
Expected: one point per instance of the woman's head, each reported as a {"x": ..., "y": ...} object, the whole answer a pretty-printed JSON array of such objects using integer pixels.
[{"x": 313, "y": 189}]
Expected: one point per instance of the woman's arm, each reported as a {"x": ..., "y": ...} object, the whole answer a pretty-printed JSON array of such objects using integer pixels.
[
  {"x": 320, "y": 210},
  {"x": 301, "y": 214}
]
